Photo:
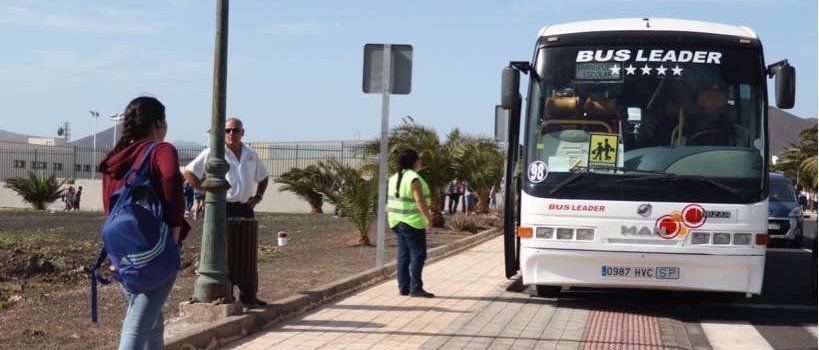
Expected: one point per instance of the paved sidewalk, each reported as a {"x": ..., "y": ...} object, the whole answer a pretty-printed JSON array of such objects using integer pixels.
[
  {"x": 470, "y": 311},
  {"x": 381, "y": 318}
]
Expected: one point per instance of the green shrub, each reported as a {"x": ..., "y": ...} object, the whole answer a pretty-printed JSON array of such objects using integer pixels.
[{"x": 463, "y": 222}]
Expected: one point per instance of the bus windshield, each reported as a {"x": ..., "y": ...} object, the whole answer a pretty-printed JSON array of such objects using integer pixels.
[{"x": 651, "y": 114}]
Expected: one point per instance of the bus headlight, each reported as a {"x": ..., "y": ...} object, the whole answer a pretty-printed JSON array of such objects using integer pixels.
[
  {"x": 544, "y": 232},
  {"x": 722, "y": 238},
  {"x": 565, "y": 233},
  {"x": 585, "y": 234},
  {"x": 742, "y": 239},
  {"x": 700, "y": 237}
]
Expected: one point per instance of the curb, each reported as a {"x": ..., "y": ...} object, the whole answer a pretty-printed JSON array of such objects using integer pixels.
[{"x": 214, "y": 334}]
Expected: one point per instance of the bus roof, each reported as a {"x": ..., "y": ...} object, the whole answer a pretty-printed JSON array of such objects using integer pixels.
[{"x": 639, "y": 24}]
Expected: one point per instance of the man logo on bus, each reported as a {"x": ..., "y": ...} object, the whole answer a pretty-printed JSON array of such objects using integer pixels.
[{"x": 679, "y": 223}]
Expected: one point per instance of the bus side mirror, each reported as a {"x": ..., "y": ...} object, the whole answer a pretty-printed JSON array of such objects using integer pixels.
[
  {"x": 785, "y": 83},
  {"x": 510, "y": 85},
  {"x": 501, "y": 124}
]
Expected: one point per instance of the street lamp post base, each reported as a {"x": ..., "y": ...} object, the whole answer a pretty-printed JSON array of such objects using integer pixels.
[
  {"x": 212, "y": 286},
  {"x": 193, "y": 312}
]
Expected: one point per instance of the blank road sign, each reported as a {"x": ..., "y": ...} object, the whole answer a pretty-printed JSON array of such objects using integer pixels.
[{"x": 401, "y": 69}]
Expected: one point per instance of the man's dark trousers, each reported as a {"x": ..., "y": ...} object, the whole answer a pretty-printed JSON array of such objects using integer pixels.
[
  {"x": 453, "y": 202},
  {"x": 412, "y": 254},
  {"x": 248, "y": 287}
]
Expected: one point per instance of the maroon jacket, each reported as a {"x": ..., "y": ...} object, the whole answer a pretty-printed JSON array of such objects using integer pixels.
[{"x": 165, "y": 178}]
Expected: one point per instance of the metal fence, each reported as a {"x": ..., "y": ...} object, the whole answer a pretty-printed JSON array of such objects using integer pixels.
[{"x": 18, "y": 159}]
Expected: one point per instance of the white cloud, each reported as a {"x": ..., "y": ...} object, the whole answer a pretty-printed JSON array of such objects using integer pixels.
[
  {"x": 294, "y": 28},
  {"x": 104, "y": 20}
]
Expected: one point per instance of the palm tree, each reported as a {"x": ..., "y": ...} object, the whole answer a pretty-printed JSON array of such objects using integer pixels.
[
  {"x": 808, "y": 164},
  {"x": 303, "y": 183},
  {"x": 434, "y": 156},
  {"x": 39, "y": 191},
  {"x": 478, "y": 162},
  {"x": 354, "y": 191},
  {"x": 798, "y": 161}
]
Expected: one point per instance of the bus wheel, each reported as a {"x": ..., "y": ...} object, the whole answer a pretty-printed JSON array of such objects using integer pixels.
[{"x": 547, "y": 291}]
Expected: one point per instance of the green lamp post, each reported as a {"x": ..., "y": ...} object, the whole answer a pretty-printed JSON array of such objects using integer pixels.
[{"x": 212, "y": 283}]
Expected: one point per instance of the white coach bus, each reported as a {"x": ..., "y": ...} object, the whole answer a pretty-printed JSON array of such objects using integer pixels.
[{"x": 644, "y": 156}]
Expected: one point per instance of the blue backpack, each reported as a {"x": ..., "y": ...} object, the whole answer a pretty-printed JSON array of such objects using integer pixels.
[{"x": 135, "y": 237}]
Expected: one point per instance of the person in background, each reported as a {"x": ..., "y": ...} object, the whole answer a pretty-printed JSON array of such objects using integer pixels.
[
  {"x": 409, "y": 216},
  {"x": 247, "y": 176},
  {"x": 470, "y": 200},
  {"x": 199, "y": 203},
  {"x": 68, "y": 198},
  {"x": 77, "y": 197},
  {"x": 143, "y": 125},
  {"x": 462, "y": 194},
  {"x": 454, "y": 196},
  {"x": 803, "y": 199},
  {"x": 187, "y": 190}
]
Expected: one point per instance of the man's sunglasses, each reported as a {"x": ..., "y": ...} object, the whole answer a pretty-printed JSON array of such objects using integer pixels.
[{"x": 232, "y": 130}]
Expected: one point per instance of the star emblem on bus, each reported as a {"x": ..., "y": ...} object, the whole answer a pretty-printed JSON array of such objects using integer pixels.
[
  {"x": 615, "y": 70},
  {"x": 677, "y": 70}
]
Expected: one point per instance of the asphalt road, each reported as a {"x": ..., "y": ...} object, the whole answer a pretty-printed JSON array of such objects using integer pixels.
[{"x": 782, "y": 314}]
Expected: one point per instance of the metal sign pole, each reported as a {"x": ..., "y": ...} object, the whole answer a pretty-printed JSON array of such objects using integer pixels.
[{"x": 382, "y": 157}]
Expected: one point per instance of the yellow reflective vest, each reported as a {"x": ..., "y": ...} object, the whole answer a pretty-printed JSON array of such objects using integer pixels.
[{"x": 403, "y": 208}]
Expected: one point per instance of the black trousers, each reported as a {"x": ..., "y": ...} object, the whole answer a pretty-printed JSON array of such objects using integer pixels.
[
  {"x": 453, "y": 202},
  {"x": 239, "y": 210},
  {"x": 242, "y": 249}
]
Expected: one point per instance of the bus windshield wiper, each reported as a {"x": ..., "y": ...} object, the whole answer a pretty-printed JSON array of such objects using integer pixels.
[
  {"x": 674, "y": 177},
  {"x": 582, "y": 173}
]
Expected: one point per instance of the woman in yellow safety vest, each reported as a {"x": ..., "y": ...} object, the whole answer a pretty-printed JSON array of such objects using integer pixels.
[{"x": 408, "y": 215}]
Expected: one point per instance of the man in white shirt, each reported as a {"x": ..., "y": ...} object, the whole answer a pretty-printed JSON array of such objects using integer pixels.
[{"x": 247, "y": 176}]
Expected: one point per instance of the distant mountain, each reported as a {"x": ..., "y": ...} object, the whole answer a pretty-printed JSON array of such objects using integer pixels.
[
  {"x": 105, "y": 139},
  {"x": 784, "y": 128},
  {"x": 8, "y": 136}
]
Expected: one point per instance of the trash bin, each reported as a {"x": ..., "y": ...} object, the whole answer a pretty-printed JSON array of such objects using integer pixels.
[{"x": 242, "y": 251}]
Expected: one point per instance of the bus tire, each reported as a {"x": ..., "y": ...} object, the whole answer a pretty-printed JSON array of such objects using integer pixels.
[{"x": 547, "y": 291}]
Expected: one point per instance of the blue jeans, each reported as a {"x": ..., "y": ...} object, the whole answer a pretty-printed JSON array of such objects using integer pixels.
[
  {"x": 412, "y": 253},
  {"x": 144, "y": 325}
]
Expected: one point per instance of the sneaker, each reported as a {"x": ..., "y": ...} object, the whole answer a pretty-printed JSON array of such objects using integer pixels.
[
  {"x": 421, "y": 294},
  {"x": 404, "y": 292}
]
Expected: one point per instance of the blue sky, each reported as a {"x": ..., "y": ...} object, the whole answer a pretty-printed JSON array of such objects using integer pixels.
[{"x": 295, "y": 66}]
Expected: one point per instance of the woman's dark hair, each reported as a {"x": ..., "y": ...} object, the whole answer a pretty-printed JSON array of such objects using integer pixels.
[
  {"x": 406, "y": 160},
  {"x": 142, "y": 115}
]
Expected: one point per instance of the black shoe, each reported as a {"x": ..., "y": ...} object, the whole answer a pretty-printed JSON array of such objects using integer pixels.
[
  {"x": 404, "y": 292},
  {"x": 254, "y": 303},
  {"x": 421, "y": 294}
]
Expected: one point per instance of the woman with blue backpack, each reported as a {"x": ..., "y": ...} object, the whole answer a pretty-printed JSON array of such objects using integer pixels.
[{"x": 144, "y": 207}]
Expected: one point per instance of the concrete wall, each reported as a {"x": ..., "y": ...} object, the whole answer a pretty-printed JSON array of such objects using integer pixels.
[{"x": 274, "y": 201}]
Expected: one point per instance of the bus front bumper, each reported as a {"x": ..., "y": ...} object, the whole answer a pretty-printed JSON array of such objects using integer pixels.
[{"x": 611, "y": 269}]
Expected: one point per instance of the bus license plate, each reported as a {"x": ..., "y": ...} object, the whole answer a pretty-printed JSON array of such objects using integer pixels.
[
  {"x": 660, "y": 273},
  {"x": 773, "y": 225}
]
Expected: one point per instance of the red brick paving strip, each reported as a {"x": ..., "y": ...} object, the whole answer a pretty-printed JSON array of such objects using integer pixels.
[{"x": 613, "y": 330}]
